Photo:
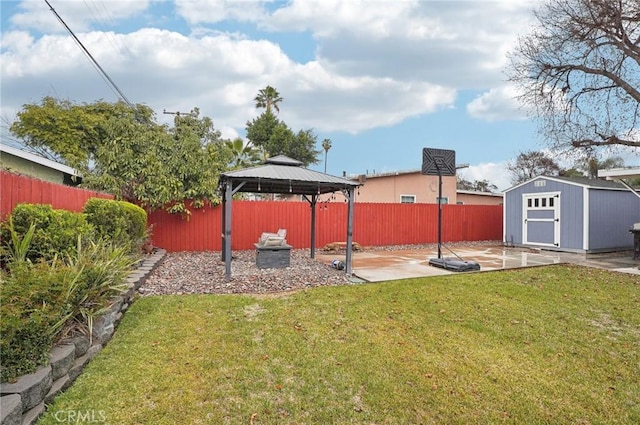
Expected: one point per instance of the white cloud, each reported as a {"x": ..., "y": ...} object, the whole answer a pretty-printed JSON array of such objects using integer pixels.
[
  {"x": 376, "y": 63},
  {"x": 497, "y": 104},
  {"x": 218, "y": 73},
  {"x": 78, "y": 15},
  {"x": 212, "y": 11},
  {"x": 494, "y": 172},
  {"x": 452, "y": 43}
]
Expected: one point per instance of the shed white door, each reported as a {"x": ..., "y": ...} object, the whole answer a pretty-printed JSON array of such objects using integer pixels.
[{"x": 541, "y": 215}]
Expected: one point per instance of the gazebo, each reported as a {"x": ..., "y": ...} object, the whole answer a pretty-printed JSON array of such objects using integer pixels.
[{"x": 282, "y": 174}]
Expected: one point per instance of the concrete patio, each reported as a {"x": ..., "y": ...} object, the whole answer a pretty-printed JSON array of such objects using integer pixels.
[{"x": 375, "y": 266}]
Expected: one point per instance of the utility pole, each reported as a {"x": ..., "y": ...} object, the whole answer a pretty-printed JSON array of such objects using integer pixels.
[{"x": 177, "y": 114}]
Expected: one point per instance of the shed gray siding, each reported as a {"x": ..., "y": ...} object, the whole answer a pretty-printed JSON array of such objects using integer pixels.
[
  {"x": 611, "y": 215},
  {"x": 571, "y": 216},
  {"x": 610, "y": 211},
  {"x": 571, "y": 207}
]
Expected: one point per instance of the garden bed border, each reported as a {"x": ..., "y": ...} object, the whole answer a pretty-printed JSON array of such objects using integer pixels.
[{"x": 22, "y": 402}]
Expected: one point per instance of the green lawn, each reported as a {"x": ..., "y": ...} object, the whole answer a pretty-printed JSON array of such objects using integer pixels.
[{"x": 557, "y": 344}]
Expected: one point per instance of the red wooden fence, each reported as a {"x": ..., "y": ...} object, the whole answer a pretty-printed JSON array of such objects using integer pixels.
[
  {"x": 15, "y": 189},
  {"x": 374, "y": 224}
]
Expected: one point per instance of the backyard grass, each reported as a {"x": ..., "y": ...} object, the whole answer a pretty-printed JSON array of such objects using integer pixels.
[{"x": 557, "y": 344}]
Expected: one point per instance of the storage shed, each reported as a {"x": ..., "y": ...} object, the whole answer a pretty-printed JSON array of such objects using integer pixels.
[{"x": 570, "y": 214}]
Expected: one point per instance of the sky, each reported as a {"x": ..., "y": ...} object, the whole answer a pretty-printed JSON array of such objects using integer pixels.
[{"x": 382, "y": 79}]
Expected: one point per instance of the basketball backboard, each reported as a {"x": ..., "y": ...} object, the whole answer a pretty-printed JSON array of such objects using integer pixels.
[{"x": 438, "y": 162}]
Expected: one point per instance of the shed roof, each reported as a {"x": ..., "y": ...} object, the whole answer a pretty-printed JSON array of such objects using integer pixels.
[
  {"x": 577, "y": 181},
  {"x": 282, "y": 174}
]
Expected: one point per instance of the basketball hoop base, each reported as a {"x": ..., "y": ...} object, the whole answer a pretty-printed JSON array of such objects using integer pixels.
[{"x": 454, "y": 264}]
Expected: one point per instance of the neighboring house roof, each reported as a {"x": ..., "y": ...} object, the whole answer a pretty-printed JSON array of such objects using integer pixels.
[
  {"x": 282, "y": 174},
  {"x": 387, "y": 174},
  {"x": 620, "y": 173},
  {"x": 29, "y": 156},
  {"x": 577, "y": 181},
  {"x": 473, "y": 192}
]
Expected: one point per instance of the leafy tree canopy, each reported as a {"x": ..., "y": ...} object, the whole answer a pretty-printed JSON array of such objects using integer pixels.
[
  {"x": 276, "y": 138},
  {"x": 69, "y": 132},
  {"x": 123, "y": 151},
  {"x": 579, "y": 70},
  {"x": 243, "y": 154}
]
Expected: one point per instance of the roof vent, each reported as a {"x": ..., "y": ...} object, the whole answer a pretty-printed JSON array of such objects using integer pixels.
[{"x": 283, "y": 160}]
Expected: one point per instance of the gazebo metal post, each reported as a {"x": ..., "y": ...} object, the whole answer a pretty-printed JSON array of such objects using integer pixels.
[
  {"x": 314, "y": 199},
  {"x": 351, "y": 196},
  {"x": 227, "y": 230},
  {"x": 223, "y": 218}
]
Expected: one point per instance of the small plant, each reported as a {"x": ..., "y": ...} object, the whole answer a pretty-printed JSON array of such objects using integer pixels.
[
  {"x": 101, "y": 268},
  {"x": 17, "y": 248}
]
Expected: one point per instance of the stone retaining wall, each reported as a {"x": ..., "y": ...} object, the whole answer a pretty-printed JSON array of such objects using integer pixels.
[{"x": 22, "y": 402}]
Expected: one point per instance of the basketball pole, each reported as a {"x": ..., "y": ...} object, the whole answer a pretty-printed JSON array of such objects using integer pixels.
[{"x": 439, "y": 210}]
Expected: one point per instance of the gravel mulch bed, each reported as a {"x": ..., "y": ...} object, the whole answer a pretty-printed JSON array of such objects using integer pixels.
[{"x": 204, "y": 272}]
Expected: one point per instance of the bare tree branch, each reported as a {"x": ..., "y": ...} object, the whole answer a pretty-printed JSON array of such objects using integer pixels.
[{"x": 579, "y": 70}]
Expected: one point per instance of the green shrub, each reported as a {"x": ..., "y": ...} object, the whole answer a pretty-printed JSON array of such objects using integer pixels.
[
  {"x": 118, "y": 221},
  {"x": 40, "y": 301},
  {"x": 56, "y": 231},
  {"x": 31, "y": 307},
  {"x": 101, "y": 268}
]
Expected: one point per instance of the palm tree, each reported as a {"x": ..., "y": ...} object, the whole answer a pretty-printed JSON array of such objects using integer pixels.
[
  {"x": 244, "y": 155},
  {"x": 268, "y": 97},
  {"x": 326, "y": 145}
]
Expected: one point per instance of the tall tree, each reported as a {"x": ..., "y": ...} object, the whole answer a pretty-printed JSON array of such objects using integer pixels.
[
  {"x": 532, "y": 164},
  {"x": 591, "y": 164},
  {"x": 268, "y": 98},
  {"x": 477, "y": 185},
  {"x": 579, "y": 70},
  {"x": 71, "y": 133},
  {"x": 260, "y": 130},
  {"x": 326, "y": 145},
  {"x": 463, "y": 184},
  {"x": 125, "y": 152},
  {"x": 273, "y": 136},
  {"x": 484, "y": 186}
]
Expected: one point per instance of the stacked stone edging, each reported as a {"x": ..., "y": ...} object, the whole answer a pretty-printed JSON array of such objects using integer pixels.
[{"x": 22, "y": 402}]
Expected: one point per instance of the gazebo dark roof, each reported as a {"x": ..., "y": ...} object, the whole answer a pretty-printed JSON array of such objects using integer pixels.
[{"x": 282, "y": 174}]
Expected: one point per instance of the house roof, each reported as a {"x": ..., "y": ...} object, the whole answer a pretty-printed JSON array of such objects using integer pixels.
[
  {"x": 29, "y": 156},
  {"x": 620, "y": 173},
  {"x": 387, "y": 174},
  {"x": 577, "y": 181},
  {"x": 282, "y": 174},
  {"x": 473, "y": 192}
]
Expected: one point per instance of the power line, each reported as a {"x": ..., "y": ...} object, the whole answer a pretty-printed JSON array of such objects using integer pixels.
[{"x": 93, "y": 60}]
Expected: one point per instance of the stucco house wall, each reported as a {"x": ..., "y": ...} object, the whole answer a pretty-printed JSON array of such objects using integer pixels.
[
  {"x": 405, "y": 186},
  {"x": 467, "y": 197}
]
